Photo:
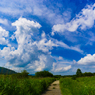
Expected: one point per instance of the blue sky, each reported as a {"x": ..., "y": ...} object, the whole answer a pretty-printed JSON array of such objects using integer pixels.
[{"x": 53, "y": 35}]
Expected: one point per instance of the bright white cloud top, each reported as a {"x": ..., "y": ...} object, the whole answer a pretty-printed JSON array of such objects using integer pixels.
[{"x": 89, "y": 59}]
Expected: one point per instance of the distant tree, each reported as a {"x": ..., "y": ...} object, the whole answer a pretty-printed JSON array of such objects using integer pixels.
[
  {"x": 88, "y": 74},
  {"x": 79, "y": 72},
  {"x": 43, "y": 74},
  {"x": 57, "y": 76},
  {"x": 24, "y": 73},
  {"x": 94, "y": 74}
]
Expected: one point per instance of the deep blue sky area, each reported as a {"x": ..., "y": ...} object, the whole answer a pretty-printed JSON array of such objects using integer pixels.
[{"x": 53, "y": 35}]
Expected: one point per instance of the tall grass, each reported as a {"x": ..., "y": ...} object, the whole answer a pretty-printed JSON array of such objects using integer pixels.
[
  {"x": 24, "y": 86},
  {"x": 80, "y": 86}
]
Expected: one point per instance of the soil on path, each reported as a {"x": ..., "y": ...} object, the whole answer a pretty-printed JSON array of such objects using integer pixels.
[{"x": 54, "y": 89}]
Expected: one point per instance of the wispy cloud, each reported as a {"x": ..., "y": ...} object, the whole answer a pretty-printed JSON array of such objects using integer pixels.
[
  {"x": 37, "y": 8},
  {"x": 62, "y": 44},
  {"x": 3, "y": 35},
  {"x": 61, "y": 65},
  {"x": 83, "y": 20},
  {"x": 4, "y": 21}
]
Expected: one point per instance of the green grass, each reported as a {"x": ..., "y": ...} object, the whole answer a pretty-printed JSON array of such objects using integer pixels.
[
  {"x": 80, "y": 86},
  {"x": 24, "y": 86}
]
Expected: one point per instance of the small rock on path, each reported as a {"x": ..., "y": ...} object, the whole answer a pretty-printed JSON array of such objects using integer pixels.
[{"x": 53, "y": 89}]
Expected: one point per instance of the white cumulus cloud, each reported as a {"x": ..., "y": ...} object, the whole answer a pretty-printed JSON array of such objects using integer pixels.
[
  {"x": 87, "y": 60},
  {"x": 33, "y": 49},
  {"x": 29, "y": 51}
]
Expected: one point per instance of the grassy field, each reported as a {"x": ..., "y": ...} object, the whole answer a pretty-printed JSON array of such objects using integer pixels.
[
  {"x": 24, "y": 86},
  {"x": 80, "y": 86}
]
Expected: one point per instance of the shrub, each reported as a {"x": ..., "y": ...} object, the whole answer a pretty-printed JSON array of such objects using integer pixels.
[
  {"x": 88, "y": 74},
  {"x": 43, "y": 74},
  {"x": 23, "y": 74},
  {"x": 74, "y": 77}
]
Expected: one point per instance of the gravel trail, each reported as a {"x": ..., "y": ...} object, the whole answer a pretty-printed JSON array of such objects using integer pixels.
[{"x": 53, "y": 89}]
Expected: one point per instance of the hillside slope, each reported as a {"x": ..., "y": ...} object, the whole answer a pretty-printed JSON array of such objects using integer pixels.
[{"x": 6, "y": 71}]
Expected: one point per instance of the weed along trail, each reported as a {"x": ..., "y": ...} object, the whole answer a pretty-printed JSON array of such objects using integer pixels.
[{"x": 53, "y": 89}]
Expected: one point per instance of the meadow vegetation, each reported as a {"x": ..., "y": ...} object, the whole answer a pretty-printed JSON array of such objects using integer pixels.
[
  {"x": 79, "y": 84},
  {"x": 23, "y": 84}
]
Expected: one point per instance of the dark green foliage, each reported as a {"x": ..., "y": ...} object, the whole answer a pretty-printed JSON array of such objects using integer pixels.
[
  {"x": 23, "y": 74},
  {"x": 78, "y": 73},
  {"x": 6, "y": 71},
  {"x": 57, "y": 76},
  {"x": 17, "y": 75},
  {"x": 93, "y": 74},
  {"x": 88, "y": 74},
  {"x": 67, "y": 76},
  {"x": 43, "y": 74},
  {"x": 25, "y": 86},
  {"x": 74, "y": 77}
]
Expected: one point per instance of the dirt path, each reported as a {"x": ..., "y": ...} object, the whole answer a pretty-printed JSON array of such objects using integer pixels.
[{"x": 54, "y": 89}]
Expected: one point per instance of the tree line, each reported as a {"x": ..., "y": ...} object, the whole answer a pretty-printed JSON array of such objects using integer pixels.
[{"x": 25, "y": 74}]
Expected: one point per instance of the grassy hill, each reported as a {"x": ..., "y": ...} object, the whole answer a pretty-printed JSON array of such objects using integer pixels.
[{"x": 6, "y": 71}]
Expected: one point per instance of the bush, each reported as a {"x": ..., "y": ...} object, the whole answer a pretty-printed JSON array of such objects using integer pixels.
[
  {"x": 88, "y": 74},
  {"x": 74, "y": 77},
  {"x": 43, "y": 74},
  {"x": 23, "y": 74},
  {"x": 57, "y": 76}
]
